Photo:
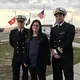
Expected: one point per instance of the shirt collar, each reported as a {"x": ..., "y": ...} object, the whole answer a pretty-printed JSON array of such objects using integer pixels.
[
  {"x": 20, "y": 29},
  {"x": 58, "y": 24}
]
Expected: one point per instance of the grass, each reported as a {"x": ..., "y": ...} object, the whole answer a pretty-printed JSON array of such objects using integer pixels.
[
  {"x": 6, "y": 52},
  {"x": 77, "y": 40},
  {"x": 5, "y": 61},
  {"x": 76, "y": 55}
]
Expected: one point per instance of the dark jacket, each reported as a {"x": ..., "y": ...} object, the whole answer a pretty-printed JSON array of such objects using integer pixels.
[
  {"x": 63, "y": 37},
  {"x": 17, "y": 41},
  {"x": 43, "y": 57}
]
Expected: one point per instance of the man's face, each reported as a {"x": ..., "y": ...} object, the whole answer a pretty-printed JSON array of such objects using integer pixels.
[
  {"x": 59, "y": 18},
  {"x": 20, "y": 24}
]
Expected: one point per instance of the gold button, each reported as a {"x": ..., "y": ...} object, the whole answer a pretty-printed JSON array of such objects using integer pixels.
[
  {"x": 59, "y": 40},
  {"x": 17, "y": 47},
  {"x": 23, "y": 52},
  {"x": 54, "y": 41},
  {"x": 17, "y": 51},
  {"x": 23, "y": 43},
  {"x": 23, "y": 47},
  {"x": 54, "y": 46},
  {"x": 17, "y": 42}
]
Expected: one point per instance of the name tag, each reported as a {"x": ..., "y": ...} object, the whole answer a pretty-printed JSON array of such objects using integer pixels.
[{"x": 62, "y": 33}]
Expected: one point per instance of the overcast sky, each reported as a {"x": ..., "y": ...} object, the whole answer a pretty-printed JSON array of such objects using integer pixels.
[{"x": 50, "y": 4}]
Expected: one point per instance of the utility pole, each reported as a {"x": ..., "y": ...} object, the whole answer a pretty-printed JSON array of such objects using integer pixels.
[{"x": 44, "y": 12}]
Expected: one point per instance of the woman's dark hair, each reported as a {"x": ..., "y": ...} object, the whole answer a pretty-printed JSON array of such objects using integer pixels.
[{"x": 31, "y": 31}]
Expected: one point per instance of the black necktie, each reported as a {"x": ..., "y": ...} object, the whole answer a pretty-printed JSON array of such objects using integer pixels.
[
  {"x": 59, "y": 26},
  {"x": 20, "y": 31}
]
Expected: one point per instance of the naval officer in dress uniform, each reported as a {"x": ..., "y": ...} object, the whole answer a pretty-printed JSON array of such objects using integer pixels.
[
  {"x": 17, "y": 41},
  {"x": 61, "y": 38}
]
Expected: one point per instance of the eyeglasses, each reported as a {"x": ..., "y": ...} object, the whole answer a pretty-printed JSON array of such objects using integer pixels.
[{"x": 36, "y": 25}]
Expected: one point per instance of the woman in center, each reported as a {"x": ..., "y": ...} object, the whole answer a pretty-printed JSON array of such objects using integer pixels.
[{"x": 37, "y": 52}]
